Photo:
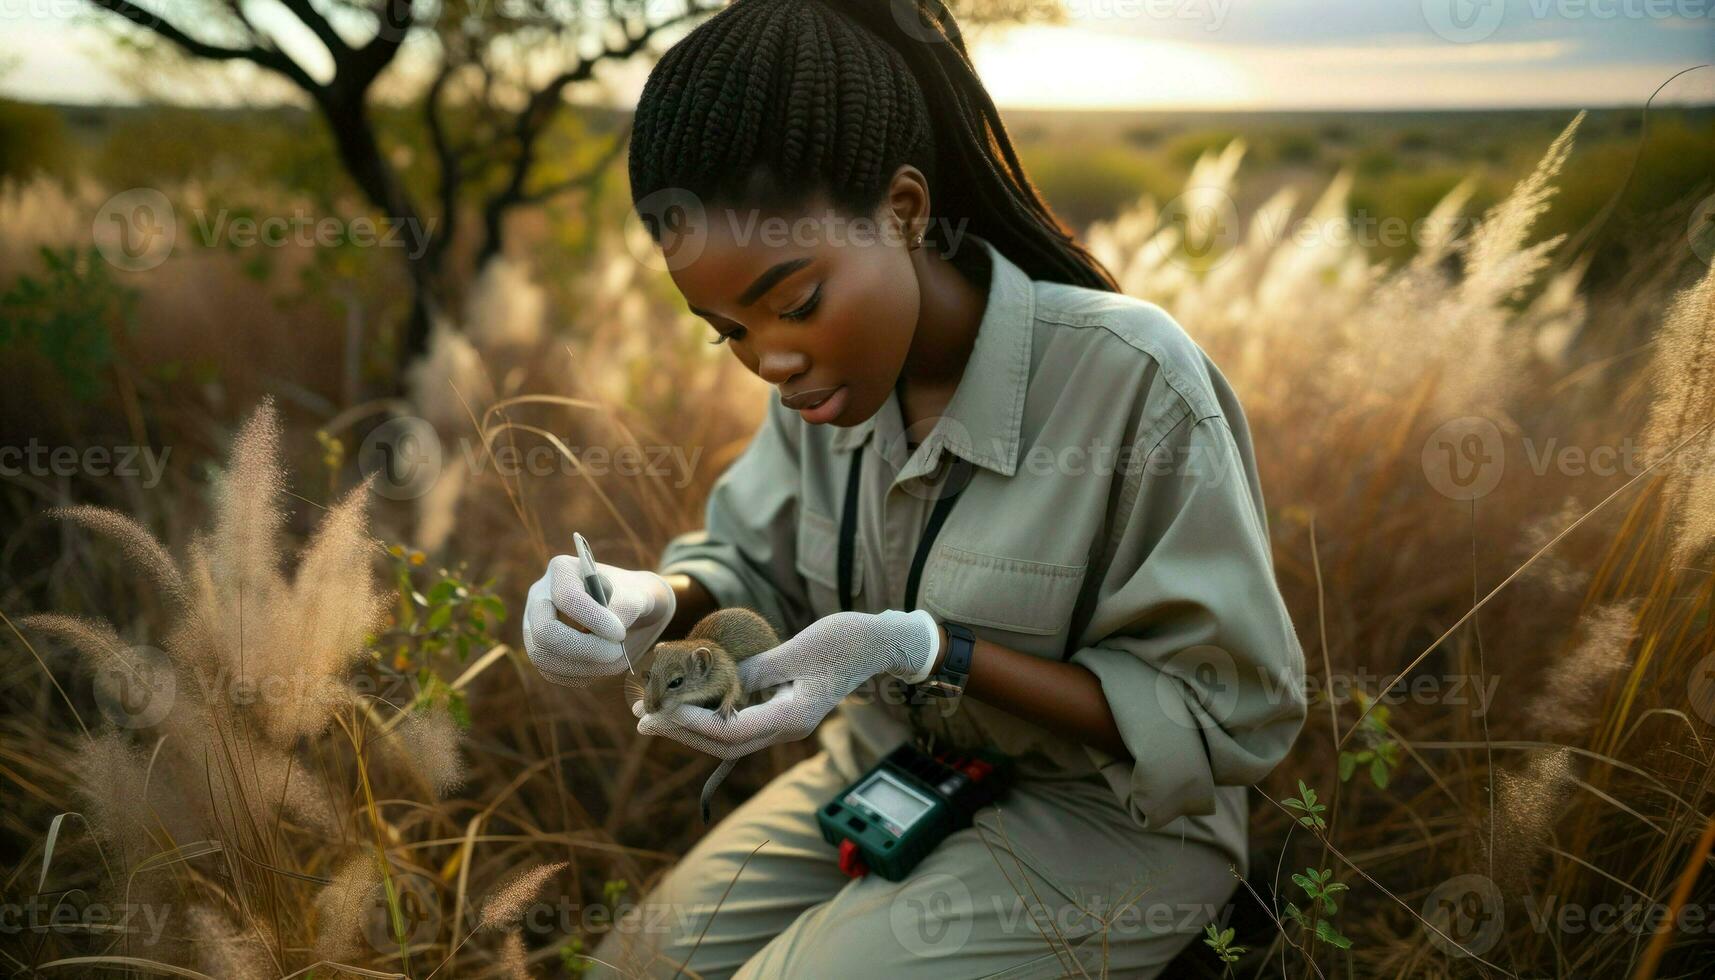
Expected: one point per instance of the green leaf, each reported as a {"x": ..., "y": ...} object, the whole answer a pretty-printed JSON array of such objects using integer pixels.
[
  {"x": 1379, "y": 773},
  {"x": 439, "y": 618},
  {"x": 1348, "y": 764},
  {"x": 1326, "y": 932}
]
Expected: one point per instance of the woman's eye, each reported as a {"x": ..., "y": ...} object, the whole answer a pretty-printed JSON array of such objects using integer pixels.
[
  {"x": 675, "y": 682},
  {"x": 805, "y": 310},
  {"x": 734, "y": 335}
]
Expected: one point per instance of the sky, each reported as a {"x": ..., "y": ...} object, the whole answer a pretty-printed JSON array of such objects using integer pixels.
[{"x": 1138, "y": 54}]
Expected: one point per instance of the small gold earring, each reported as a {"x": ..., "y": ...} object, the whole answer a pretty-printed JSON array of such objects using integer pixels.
[{"x": 918, "y": 241}]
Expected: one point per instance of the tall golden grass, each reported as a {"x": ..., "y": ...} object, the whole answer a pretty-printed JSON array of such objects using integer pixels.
[{"x": 331, "y": 824}]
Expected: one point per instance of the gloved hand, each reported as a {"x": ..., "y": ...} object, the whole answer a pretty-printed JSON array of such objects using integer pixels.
[
  {"x": 820, "y": 666},
  {"x": 640, "y": 606}
]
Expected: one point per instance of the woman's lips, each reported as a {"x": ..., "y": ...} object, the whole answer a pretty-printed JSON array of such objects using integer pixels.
[{"x": 826, "y": 410}]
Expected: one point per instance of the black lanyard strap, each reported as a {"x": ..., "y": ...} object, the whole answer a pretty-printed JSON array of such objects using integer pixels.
[
  {"x": 957, "y": 479},
  {"x": 848, "y": 528}
]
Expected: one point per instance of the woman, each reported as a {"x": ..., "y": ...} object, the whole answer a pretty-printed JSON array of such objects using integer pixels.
[{"x": 977, "y": 436}]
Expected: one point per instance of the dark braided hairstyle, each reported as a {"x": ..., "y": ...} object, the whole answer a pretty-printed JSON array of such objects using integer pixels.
[{"x": 769, "y": 103}]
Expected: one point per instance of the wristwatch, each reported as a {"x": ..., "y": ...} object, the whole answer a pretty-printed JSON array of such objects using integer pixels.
[{"x": 949, "y": 680}]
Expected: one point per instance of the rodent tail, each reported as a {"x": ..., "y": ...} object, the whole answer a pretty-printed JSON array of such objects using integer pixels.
[{"x": 719, "y": 774}]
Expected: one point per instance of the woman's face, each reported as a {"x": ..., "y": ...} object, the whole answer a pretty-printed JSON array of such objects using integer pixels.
[{"x": 815, "y": 303}]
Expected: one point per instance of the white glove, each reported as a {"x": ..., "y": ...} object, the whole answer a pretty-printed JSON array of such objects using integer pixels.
[
  {"x": 640, "y": 606},
  {"x": 820, "y": 666}
]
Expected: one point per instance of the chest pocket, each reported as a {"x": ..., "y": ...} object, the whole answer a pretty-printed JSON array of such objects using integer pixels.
[
  {"x": 819, "y": 562},
  {"x": 1018, "y": 595}
]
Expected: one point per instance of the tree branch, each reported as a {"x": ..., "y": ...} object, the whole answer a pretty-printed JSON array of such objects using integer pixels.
[
  {"x": 270, "y": 58},
  {"x": 319, "y": 26}
]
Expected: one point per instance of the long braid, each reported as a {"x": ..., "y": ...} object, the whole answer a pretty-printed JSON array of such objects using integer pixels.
[{"x": 769, "y": 102}]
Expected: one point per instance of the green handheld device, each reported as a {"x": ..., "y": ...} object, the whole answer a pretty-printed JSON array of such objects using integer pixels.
[{"x": 906, "y": 804}]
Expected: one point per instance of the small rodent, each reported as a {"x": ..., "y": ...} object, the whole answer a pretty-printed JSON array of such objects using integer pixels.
[{"x": 702, "y": 670}]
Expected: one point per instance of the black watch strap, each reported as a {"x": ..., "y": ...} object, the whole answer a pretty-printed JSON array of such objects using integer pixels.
[{"x": 958, "y": 661}]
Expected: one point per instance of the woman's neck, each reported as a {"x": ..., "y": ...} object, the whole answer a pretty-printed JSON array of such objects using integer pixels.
[{"x": 947, "y": 323}]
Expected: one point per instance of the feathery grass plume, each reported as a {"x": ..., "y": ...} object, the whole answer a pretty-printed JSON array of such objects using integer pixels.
[
  {"x": 1552, "y": 571},
  {"x": 1498, "y": 264},
  {"x": 142, "y": 548},
  {"x": 452, "y": 366},
  {"x": 1565, "y": 702},
  {"x": 506, "y": 907},
  {"x": 428, "y": 741},
  {"x": 1528, "y": 801},
  {"x": 92, "y": 637},
  {"x": 514, "y": 961},
  {"x": 506, "y": 307},
  {"x": 245, "y": 547},
  {"x": 341, "y": 906},
  {"x": 332, "y": 606},
  {"x": 1684, "y": 374},
  {"x": 228, "y": 951},
  {"x": 111, "y": 779}
]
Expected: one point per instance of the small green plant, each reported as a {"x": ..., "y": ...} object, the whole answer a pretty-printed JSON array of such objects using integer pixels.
[
  {"x": 436, "y": 628},
  {"x": 1221, "y": 941},
  {"x": 572, "y": 957},
  {"x": 1310, "y": 811},
  {"x": 70, "y": 315},
  {"x": 1381, "y": 750},
  {"x": 1320, "y": 887}
]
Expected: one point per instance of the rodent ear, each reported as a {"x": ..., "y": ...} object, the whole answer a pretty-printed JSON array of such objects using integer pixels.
[{"x": 700, "y": 659}]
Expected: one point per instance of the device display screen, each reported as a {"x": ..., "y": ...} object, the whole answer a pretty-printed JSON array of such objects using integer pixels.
[{"x": 894, "y": 802}]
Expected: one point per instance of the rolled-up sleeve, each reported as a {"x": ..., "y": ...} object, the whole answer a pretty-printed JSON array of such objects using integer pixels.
[
  {"x": 745, "y": 552},
  {"x": 1190, "y": 637}
]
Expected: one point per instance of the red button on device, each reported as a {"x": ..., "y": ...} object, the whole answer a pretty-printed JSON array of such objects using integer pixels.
[{"x": 850, "y": 861}]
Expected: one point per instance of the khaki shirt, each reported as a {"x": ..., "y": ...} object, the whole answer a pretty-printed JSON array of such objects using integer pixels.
[{"x": 1113, "y": 518}]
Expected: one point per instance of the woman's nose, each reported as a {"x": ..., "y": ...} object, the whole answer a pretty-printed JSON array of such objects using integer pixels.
[{"x": 779, "y": 366}]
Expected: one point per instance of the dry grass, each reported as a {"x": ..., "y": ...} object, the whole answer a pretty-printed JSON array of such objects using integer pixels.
[{"x": 329, "y": 823}]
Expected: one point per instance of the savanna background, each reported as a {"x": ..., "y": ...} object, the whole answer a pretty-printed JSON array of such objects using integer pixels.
[{"x": 264, "y": 710}]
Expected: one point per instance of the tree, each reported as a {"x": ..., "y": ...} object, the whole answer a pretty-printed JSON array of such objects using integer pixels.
[
  {"x": 462, "y": 37},
  {"x": 486, "y": 98}
]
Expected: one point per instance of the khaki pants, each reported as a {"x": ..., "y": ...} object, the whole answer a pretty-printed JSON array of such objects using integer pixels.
[{"x": 1023, "y": 893}]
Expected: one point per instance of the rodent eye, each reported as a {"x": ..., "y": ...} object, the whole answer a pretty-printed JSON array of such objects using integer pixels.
[{"x": 675, "y": 682}]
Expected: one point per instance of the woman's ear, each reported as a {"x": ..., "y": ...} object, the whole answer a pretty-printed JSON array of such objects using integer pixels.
[{"x": 908, "y": 201}]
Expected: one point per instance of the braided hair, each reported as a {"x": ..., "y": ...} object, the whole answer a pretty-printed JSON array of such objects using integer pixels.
[{"x": 769, "y": 103}]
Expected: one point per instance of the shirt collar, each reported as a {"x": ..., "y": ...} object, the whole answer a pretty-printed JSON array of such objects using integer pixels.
[{"x": 986, "y": 413}]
